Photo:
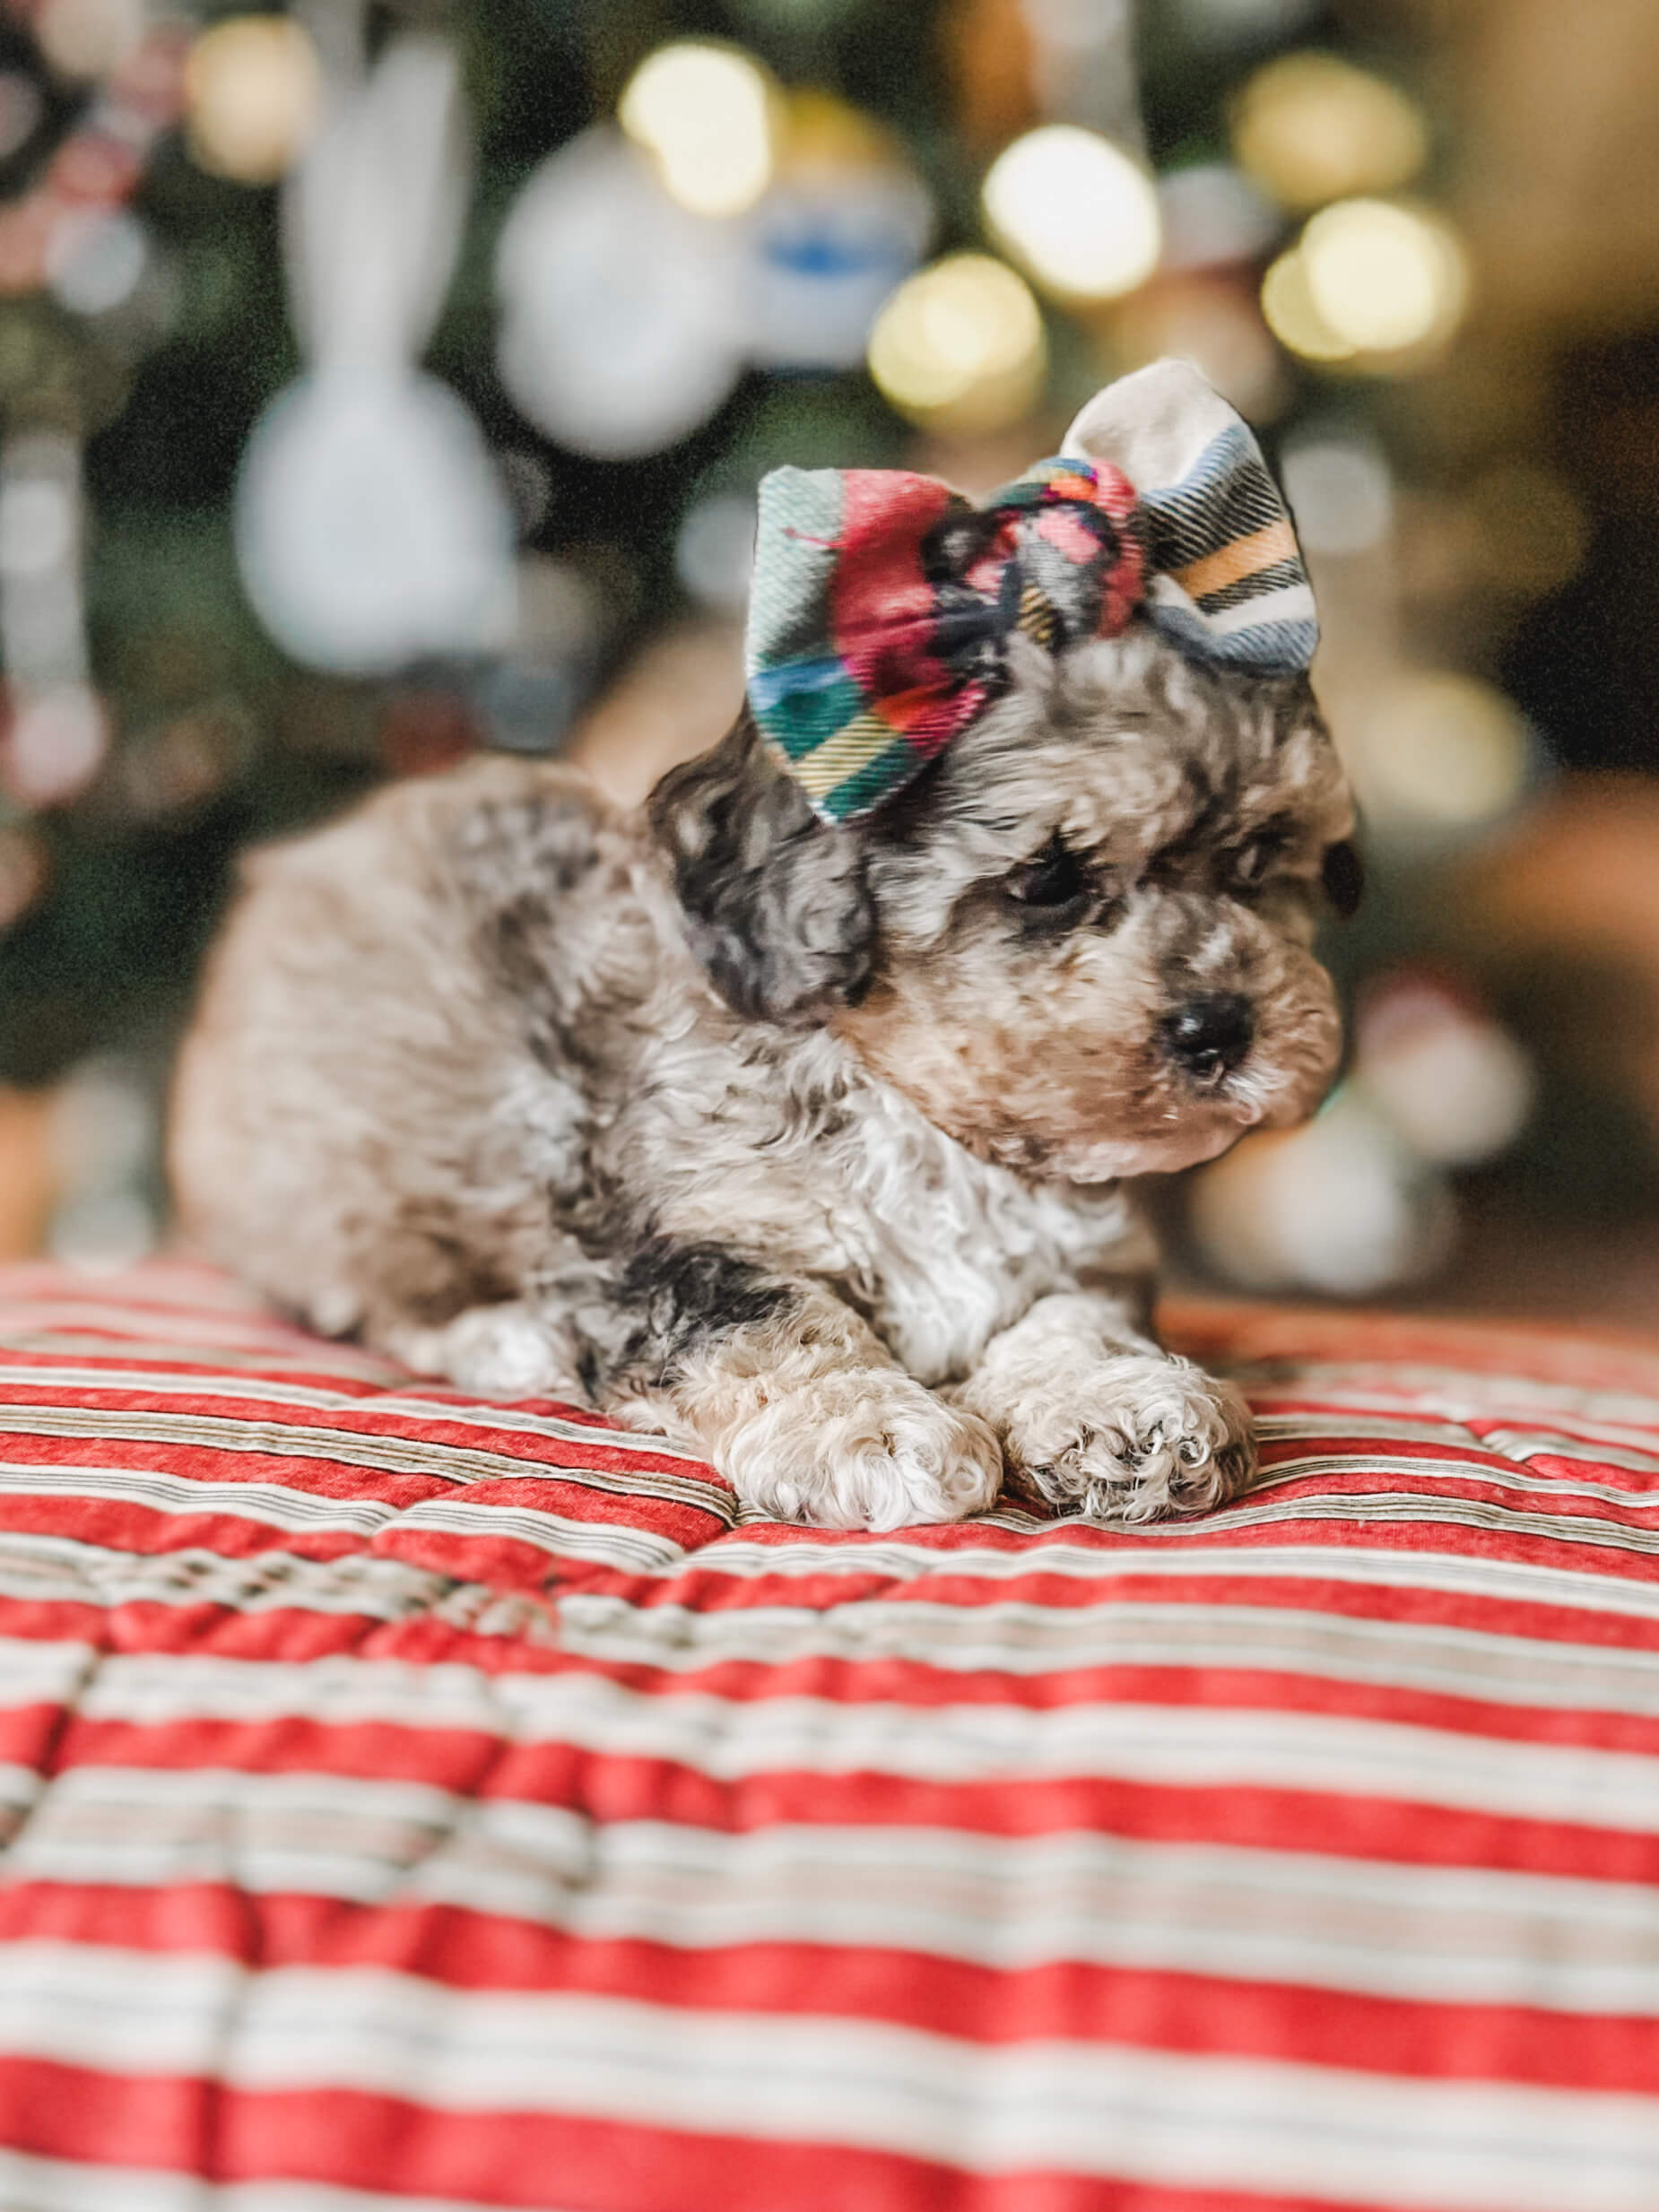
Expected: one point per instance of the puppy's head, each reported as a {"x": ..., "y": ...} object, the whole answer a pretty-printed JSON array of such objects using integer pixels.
[{"x": 1080, "y": 942}]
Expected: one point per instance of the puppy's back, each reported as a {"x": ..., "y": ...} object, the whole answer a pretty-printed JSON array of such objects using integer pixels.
[{"x": 336, "y": 1097}]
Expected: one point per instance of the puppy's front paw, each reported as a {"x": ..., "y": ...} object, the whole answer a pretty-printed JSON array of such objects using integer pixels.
[
  {"x": 1130, "y": 1436},
  {"x": 863, "y": 1448},
  {"x": 495, "y": 1351}
]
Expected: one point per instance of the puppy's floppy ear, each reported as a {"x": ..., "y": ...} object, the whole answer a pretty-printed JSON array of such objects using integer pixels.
[{"x": 776, "y": 906}]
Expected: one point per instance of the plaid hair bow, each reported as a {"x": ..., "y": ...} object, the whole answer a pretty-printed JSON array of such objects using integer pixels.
[{"x": 883, "y": 602}]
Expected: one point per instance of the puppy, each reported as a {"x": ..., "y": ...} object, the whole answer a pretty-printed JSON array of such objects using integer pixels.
[{"x": 797, "y": 1126}]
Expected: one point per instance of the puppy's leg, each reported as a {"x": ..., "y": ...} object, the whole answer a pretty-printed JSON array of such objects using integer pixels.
[
  {"x": 1092, "y": 1413},
  {"x": 513, "y": 1350},
  {"x": 792, "y": 1395}
]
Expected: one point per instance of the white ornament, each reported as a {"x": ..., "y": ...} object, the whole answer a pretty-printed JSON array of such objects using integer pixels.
[
  {"x": 370, "y": 533},
  {"x": 830, "y": 244},
  {"x": 370, "y": 523},
  {"x": 621, "y": 327}
]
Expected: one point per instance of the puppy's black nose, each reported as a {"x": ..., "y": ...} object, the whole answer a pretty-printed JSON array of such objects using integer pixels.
[{"x": 1210, "y": 1037}]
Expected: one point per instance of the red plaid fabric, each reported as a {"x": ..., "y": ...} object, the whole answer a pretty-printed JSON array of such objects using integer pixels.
[{"x": 414, "y": 1805}]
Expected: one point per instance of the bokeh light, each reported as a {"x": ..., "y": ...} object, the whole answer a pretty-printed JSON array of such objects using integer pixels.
[
  {"x": 1213, "y": 321},
  {"x": 1435, "y": 752},
  {"x": 1310, "y": 128},
  {"x": 1293, "y": 315},
  {"x": 95, "y": 258},
  {"x": 609, "y": 368},
  {"x": 1341, "y": 492},
  {"x": 1452, "y": 1083},
  {"x": 714, "y": 553},
  {"x": 21, "y": 107},
  {"x": 1340, "y": 1206},
  {"x": 54, "y": 745},
  {"x": 1384, "y": 277},
  {"x": 252, "y": 88},
  {"x": 1213, "y": 217},
  {"x": 1530, "y": 528},
  {"x": 1077, "y": 214},
  {"x": 960, "y": 346},
  {"x": 24, "y": 872},
  {"x": 707, "y": 113},
  {"x": 38, "y": 524},
  {"x": 1220, "y": 24},
  {"x": 89, "y": 37},
  {"x": 102, "y": 1138}
]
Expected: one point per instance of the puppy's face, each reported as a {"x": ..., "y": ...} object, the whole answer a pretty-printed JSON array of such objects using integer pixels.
[{"x": 1081, "y": 941}]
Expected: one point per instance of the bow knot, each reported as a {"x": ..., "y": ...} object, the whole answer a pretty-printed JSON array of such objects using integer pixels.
[{"x": 883, "y": 602}]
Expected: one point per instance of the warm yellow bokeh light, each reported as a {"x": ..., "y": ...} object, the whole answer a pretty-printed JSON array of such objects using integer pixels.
[
  {"x": 709, "y": 113},
  {"x": 1436, "y": 751},
  {"x": 1385, "y": 278},
  {"x": 1289, "y": 310},
  {"x": 252, "y": 85},
  {"x": 960, "y": 346},
  {"x": 1076, "y": 212},
  {"x": 1311, "y": 128}
]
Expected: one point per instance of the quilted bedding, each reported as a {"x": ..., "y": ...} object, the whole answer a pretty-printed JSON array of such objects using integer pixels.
[{"x": 411, "y": 1802}]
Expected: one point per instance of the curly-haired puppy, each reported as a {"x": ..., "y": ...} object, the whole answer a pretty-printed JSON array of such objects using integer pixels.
[{"x": 801, "y": 1139}]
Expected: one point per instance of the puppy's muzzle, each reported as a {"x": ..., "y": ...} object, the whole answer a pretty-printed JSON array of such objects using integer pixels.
[{"x": 1208, "y": 1038}]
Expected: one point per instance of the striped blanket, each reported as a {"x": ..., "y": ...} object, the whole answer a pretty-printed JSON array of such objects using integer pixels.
[{"x": 414, "y": 1805}]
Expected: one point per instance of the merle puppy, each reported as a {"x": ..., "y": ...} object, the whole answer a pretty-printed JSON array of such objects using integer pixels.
[{"x": 791, "y": 1115}]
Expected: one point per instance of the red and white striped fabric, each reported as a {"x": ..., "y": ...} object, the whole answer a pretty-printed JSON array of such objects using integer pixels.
[{"x": 414, "y": 1804}]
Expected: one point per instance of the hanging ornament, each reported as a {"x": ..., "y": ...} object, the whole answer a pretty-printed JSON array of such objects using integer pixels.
[
  {"x": 371, "y": 527},
  {"x": 844, "y": 222},
  {"x": 622, "y": 326}
]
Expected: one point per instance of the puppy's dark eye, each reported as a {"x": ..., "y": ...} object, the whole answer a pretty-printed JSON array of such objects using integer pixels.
[
  {"x": 1249, "y": 869},
  {"x": 1052, "y": 882},
  {"x": 1251, "y": 865},
  {"x": 1343, "y": 877}
]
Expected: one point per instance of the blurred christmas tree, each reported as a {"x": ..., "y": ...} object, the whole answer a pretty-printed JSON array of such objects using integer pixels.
[{"x": 252, "y": 558}]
